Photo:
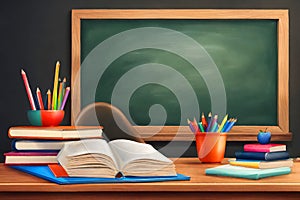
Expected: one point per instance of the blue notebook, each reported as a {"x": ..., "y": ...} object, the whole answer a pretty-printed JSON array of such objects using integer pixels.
[
  {"x": 44, "y": 172},
  {"x": 245, "y": 172}
]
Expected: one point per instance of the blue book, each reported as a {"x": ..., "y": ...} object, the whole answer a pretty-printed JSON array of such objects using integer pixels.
[
  {"x": 37, "y": 145},
  {"x": 280, "y": 155},
  {"x": 44, "y": 172},
  {"x": 245, "y": 172}
]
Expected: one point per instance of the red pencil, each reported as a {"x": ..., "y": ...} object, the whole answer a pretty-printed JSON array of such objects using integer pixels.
[
  {"x": 204, "y": 122},
  {"x": 40, "y": 100},
  {"x": 28, "y": 90}
]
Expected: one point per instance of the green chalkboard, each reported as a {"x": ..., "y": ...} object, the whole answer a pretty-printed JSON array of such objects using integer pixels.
[{"x": 159, "y": 69}]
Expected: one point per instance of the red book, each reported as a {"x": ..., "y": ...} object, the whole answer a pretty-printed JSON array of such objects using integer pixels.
[
  {"x": 30, "y": 158},
  {"x": 264, "y": 147}
]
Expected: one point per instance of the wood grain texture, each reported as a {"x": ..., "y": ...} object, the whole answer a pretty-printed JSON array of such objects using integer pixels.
[
  {"x": 15, "y": 181},
  {"x": 239, "y": 133}
]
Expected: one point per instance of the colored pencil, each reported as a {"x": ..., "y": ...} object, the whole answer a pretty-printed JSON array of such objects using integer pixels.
[
  {"x": 191, "y": 126},
  {"x": 226, "y": 125},
  {"x": 201, "y": 127},
  {"x": 230, "y": 125},
  {"x": 209, "y": 121},
  {"x": 59, "y": 98},
  {"x": 223, "y": 123},
  {"x": 28, "y": 90},
  {"x": 213, "y": 124},
  {"x": 40, "y": 99},
  {"x": 49, "y": 99},
  {"x": 203, "y": 120},
  {"x": 196, "y": 124},
  {"x": 65, "y": 98},
  {"x": 55, "y": 85}
]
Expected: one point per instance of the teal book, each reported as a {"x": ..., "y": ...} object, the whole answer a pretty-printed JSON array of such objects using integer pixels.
[{"x": 245, "y": 172}]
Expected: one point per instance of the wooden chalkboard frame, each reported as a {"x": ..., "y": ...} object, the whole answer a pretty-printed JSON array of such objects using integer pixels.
[{"x": 167, "y": 133}]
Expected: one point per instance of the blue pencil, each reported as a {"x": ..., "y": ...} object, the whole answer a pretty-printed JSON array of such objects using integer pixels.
[
  {"x": 230, "y": 125},
  {"x": 191, "y": 126},
  {"x": 208, "y": 122},
  {"x": 226, "y": 125}
]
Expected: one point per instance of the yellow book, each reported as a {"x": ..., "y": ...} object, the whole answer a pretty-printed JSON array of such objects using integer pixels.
[{"x": 262, "y": 164}]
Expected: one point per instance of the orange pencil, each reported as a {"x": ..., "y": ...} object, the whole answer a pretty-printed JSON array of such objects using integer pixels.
[
  {"x": 49, "y": 99},
  {"x": 39, "y": 97}
]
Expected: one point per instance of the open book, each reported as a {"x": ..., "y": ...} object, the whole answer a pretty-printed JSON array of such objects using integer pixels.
[{"x": 98, "y": 158}]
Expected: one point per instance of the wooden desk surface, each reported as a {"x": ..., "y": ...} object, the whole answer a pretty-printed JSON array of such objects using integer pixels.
[{"x": 14, "y": 182}]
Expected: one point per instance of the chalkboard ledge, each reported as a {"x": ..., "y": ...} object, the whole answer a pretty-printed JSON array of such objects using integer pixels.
[{"x": 171, "y": 133}]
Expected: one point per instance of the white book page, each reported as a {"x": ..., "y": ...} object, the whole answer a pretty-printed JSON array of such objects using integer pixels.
[
  {"x": 81, "y": 147},
  {"x": 126, "y": 151}
]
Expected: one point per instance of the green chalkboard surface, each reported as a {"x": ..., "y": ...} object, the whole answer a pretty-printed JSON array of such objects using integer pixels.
[{"x": 176, "y": 64}]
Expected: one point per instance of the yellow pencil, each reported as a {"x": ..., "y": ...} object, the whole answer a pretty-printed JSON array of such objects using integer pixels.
[
  {"x": 222, "y": 124},
  {"x": 55, "y": 84}
]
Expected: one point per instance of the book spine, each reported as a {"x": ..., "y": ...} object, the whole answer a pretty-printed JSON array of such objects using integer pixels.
[
  {"x": 277, "y": 155},
  {"x": 250, "y": 155},
  {"x": 248, "y": 148}
]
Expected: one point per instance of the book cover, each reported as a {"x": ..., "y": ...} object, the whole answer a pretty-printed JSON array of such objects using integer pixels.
[
  {"x": 281, "y": 155},
  {"x": 30, "y": 158},
  {"x": 261, "y": 164},
  {"x": 55, "y": 133},
  {"x": 264, "y": 147},
  {"x": 45, "y": 173},
  {"x": 37, "y": 145},
  {"x": 245, "y": 172}
]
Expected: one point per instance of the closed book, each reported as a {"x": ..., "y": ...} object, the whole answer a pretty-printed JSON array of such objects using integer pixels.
[
  {"x": 261, "y": 164},
  {"x": 281, "y": 155},
  {"x": 30, "y": 158},
  {"x": 245, "y": 172},
  {"x": 264, "y": 147},
  {"x": 37, "y": 145},
  {"x": 55, "y": 133}
]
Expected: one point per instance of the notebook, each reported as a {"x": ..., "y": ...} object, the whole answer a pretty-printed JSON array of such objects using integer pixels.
[{"x": 45, "y": 173}]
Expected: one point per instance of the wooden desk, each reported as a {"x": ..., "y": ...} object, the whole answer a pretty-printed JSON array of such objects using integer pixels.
[{"x": 18, "y": 185}]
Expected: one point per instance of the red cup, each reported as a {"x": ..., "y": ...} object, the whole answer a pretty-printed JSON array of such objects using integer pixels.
[
  {"x": 45, "y": 117},
  {"x": 211, "y": 146}
]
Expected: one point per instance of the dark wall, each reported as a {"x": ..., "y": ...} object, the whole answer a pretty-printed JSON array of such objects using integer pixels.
[{"x": 35, "y": 34}]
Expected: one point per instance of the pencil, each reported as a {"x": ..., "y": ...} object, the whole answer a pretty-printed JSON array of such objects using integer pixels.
[
  {"x": 40, "y": 100},
  {"x": 223, "y": 123},
  {"x": 65, "y": 98},
  {"x": 28, "y": 90},
  {"x": 59, "y": 98},
  {"x": 203, "y": 120},
  {"x": 55, "y": 84},
  {"x": 49, "y": 99},
  {"x": 209, "y": 121},
  {"x": 213, "y": 123}
]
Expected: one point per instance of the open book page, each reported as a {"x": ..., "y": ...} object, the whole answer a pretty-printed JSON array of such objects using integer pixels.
[
  {"x": 138, "y": 159},
  {"x": 89, "y": 158}
]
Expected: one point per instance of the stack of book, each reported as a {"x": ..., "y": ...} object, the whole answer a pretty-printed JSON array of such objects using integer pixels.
[
  {"x": 33, "y": 145},
  {"x": 256, "y": 161}
]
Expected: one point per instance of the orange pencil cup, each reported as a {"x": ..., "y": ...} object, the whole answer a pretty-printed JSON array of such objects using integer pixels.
[{"x": 211, "y": 146}]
